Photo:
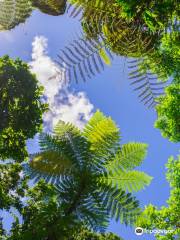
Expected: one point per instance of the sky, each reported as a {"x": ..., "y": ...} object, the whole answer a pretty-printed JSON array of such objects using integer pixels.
[{"x": 38, "y": 42}]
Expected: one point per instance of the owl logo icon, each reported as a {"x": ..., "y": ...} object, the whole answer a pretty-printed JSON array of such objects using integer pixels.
[{"x": 139, "y": 231}]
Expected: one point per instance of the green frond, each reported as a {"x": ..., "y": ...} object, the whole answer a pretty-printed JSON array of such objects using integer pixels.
[
  {"x": 119, "y": 204},
  {"x": 13, "y": 13},
  {"x": 131, "y": 181},
  {"x": 51, "y": 162},
  {"x": 51, "y": 7},
  {"x": 145, "y": 82},
  {"x": 61, "y": 152},
  {"x": 131, "y": 155},
  {"x": 91, "y": 171},
  {"x": 103, "y": 135},
  {"x": 82, "y": 59}
]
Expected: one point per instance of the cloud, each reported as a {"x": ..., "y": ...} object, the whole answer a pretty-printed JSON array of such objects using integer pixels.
[{"x": 64, "y": 103}]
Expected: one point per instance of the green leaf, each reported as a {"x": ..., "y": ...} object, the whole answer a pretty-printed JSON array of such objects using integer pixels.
[
  {"x": 132, "y": 181},
  {"x": 129, "y": 156}
]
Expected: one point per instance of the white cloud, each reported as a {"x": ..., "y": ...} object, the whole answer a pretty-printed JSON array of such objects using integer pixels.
[{"x": 64, "y": 104}]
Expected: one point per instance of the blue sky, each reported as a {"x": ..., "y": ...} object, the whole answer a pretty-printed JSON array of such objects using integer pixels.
[{"x": 111, "y": 93}]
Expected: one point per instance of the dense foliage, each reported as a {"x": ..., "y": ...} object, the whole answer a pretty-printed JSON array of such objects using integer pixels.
[
  {"x": 20, "y": 108},
  {"x": 14, "y": 12},
  {"x": 166, "y": 218},
  {"x": 168, "y": 110},
  {"x": 43, "y": 219},
  {"x": 87, "y": 177},
  {"x": 156, "y": 15},
  {"x": 12, "y": 186},
  {"x": 91, "y": 178},
  {"x": 143, "y": 31},
  {"x": 51, "y": 7},
  {"x": 85, "y": 234},
  {"x": 93, "y": 174},
  {"x": 136, "y": 29}
]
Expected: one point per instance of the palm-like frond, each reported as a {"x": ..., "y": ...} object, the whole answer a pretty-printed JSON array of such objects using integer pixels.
[
  {"x": 146, "y": 83},
  {"x": 130, "y": 39},
  {"x": 13, "y": 13},
  {"x": 131, "y": 181},
  {"x": 103, "y": 135},
  {"x": 119, "y": 204},
  {"x": 120, "y": 168},
  {"x": 83, "y": 59},
  {"x": 78, "y": 164},
  {"x": 74, "y": 10},
  {"x": 128, "y": 157},
  {"x": 52, "y": 7}
]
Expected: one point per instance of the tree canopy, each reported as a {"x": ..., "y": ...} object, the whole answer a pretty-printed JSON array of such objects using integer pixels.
[
  {"x": 20, "y": 108},
  {"x": 43, "y": 219},
  {"x": 166, "y": 218},
  {"x": 92, "y": 180},
  {"x": 168, "y": 110},
  {"x": 51, "y": 7},
  {"x": 86, "y": 178},
  {"x": 14, "y": 12}
]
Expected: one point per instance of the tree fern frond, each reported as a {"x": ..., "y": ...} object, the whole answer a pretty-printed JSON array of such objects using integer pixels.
[
  {"x": 146, "y": 83},
  {"x": 51, "y": 162},
  {"x": 103, "y": 135},
  {"x": 74, "y": 10},
  {"x": 120, "y": 205},
  {"x": 13, "y": 13},
  {"x": 83, "y": 58},
  {"x": 51, "y": 7},
  {"x": 131, "y": 181},
  {"x": 83, "y": 166},
  {"x": 128, "y": 157}
]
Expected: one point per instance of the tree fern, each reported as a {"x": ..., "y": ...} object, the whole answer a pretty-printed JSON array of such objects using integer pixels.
[
  {"x": 13, "y": 13},
  {"x": 52, "y": 7},
  {"x": 124, "y": 38},
  {"x": 145, "y": 82},
  {"x": 80, "y": 165},
  {"x": 129, "y": 156},
  {"x": 128, "y": 180},
  {"x": 83, "y": 59}
]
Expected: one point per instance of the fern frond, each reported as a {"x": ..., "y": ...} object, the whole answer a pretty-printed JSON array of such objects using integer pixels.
[
  {"x": 51, "y": 7},
  {"x": 14, "y": 12},
  {"x": 131, "y": 181},
  {"x": 146, "y": 83},
  {"x": 103, "y": 135},
  {"x": 83, "y": 167},
  {"x": 130, "y": 155},
  {"x": 51, "y": 162},
  {"x": 74, "y": 10},
  {"x": 119, "y": 204},
  {"x": 83, "y": 59},
  {"x": 60, "y": 153}
]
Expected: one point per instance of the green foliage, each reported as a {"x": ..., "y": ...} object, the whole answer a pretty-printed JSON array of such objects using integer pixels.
[
  {"x": 168, "y": 111},
  {"x": 166, "y": 218},
  {"x": 146, "y": 31},
  {"x": 12, "y": 186},
  {"x": 43, "y": 219},
  {"x": 84, "y": 59},
  {"x": 20, "y": 108},
  {"x": 85, "y": 234},
  {"x": 156, "y": 15},
  {"x": 51, "y": 7},
  {"x": 13, "y": 13},
  {"x": 80, "y": 165}
]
